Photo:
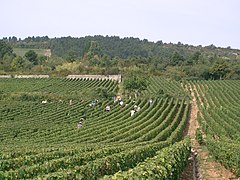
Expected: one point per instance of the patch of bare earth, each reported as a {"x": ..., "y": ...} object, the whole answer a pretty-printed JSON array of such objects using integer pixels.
[{"x": 201, "y": 166}]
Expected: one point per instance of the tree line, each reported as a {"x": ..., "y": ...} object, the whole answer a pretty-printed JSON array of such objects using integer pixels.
[{"x": 112, "y": 54}]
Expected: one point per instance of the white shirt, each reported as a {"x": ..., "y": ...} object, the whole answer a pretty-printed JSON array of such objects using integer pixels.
[
  {"x": 108, "y": 108},
  {"x": 132, "y": 112}
]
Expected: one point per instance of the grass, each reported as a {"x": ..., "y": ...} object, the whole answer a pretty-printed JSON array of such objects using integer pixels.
[{"x": 22, "y": 51}]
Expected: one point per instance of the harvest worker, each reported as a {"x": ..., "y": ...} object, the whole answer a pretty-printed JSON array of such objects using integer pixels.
[
  {"x": 44, "y": 102},
  {"x": 107, "y": 108},
  {"x": 121, "y": 103},
  {"x": 132, "y": 112},
  {"x": 138, "y": 109},
  {"x": 150, "y": 101},
  {"x": 114, "y": 98},
  {"x": 79, "y": 125}
]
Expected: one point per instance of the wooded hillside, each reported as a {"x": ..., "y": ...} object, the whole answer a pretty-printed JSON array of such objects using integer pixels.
[{"x": 112, "y": 55}]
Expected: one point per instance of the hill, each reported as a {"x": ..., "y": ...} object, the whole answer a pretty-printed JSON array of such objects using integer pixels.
[{"x": 114, "y": 55}]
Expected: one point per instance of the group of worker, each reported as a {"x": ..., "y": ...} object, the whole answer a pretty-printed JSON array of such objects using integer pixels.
[{"x": 108, "y": 108}]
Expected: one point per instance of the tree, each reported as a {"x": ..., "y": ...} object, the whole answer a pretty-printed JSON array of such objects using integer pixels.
[
  {"x": 71, "y": 55},
  {"x": 176, "y": 59},
  {"x": 135, "y": 84},
  {"x": 105, "y": 61},
  {"x": 5, "y": 48},
  {"x": 5, "y": 64},
  {"x": 93, "y": 50},
  {"x": 104, "y": 93},
  {"x": 18, "y": 63},
  {"x": 32, "y": 57},
  {"x": 196, "y": 56},
  {"x": 219, "y": 69}
]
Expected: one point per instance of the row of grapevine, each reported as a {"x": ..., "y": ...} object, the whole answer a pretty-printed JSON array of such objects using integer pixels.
[
  {"x": 166, "y": 164},
  {"x": 42, "y": 141},
  {"x": 51, "y": 87},
  {"x": 219, "y": 118},
  {"x": 159, "y": 86}
]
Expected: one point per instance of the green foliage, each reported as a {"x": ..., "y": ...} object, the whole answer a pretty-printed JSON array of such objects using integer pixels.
[
  {"x": 109, "y": 55},
  {"x": 29, "y": 97},
  {"x": 219, "y": 69},
  {"x": 167, "y": 164},
  {"x": 40, "y": 140},
  {"x": 196, "y": 56},
  {"x": 226, "y": 153},
  {"x": 5, "y": 49},
  {"x": 22, "y": 51},
  {"x": 104, "y": 93},
  {"x": 18, "y": 63},
  {"x": 71, "y": 55},
  {"x": 219, "y": 105},
  {"x": 176, "y": 59},
  {"x": 135, "y": 83},
  {"x": 199, "y": 136},
  {"x": 31, "y": 56},
  {"x": 93, "y": 54}
]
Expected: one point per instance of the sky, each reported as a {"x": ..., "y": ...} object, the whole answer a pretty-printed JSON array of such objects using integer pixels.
[{"x": 193, "y": 22}]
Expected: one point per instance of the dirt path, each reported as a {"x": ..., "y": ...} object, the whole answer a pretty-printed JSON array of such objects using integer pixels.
[
  {"x": 120, "y": 90},
  {"x": 201, "y": 166}
]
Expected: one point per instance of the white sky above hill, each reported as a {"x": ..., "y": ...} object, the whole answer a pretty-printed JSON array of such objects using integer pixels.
[{"x": 196, "y": 22}]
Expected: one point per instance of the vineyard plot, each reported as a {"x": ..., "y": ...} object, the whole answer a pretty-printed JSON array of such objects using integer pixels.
[
  {"x": 41, "y": 140},
  {"x": 219, "y": 116}
]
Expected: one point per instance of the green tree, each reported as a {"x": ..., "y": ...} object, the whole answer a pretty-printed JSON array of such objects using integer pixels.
[
  {"x": 5, "y": 48},
  {"x": 105, "y": 61},
  {"x": 71, "y": 55},
  {"x": 176, "y": 59},
  {"x": 31, "y": 56},
  {"x": 104, "y": 93},
  {"x": 219, "y": 69},
  {"x": 5, "y": 64},
  {"x": 94, "y": 51},
  {"x": 135, "y": 84},
  {"x": 18, "y": 63},
  {"x": 196, "y": 56}
]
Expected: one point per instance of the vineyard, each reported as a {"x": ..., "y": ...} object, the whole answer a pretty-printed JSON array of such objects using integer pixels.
[
  {"x": 39, "y": 138},
  {"x": 219, "y": 116}
]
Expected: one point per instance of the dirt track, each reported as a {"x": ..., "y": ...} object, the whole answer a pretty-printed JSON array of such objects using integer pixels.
[{"x": 201, "y": 165}]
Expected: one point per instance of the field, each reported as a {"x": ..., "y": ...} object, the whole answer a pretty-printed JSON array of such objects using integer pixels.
[
  {"x": 40, "y": 139},
  {"x": 22, "y": 51},
  {"x": 219, "y": 117}
]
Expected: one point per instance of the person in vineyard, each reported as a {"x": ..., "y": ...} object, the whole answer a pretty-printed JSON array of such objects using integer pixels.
[
  {"x": 150, "y": 101},
  {"x": 114, "y": 98},
  {"x": 132, "y": 112},
  {"x": 108, "y": 108},
  {"x": 135, "y": 107},
  {"x": 138, "y": 109},
  {"x": 120, "y": 102},
  {"x": 44, "y": 102},
  {"x": 79, "y": 125}
]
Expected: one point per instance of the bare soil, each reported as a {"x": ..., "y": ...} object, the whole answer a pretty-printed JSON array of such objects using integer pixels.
[{"x": 201, "y": 165}]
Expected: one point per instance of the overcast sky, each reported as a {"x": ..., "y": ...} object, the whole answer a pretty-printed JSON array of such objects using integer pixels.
[{"x": 196, "y": 22}]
